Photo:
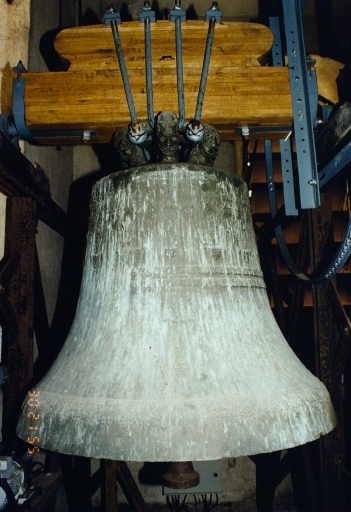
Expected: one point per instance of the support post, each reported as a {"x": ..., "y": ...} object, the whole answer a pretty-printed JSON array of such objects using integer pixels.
[
  {"x": 109, "y": 494},
  {"x": 331, "y": 447},
  {"x": 17, "y": 350}
]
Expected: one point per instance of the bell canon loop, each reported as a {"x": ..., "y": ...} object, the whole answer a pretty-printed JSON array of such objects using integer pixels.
[{"x": 174, "y": 354}]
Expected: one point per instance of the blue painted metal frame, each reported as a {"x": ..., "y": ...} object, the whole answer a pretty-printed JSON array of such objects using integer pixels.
[
  {"x": 332, "y": 168},
  {"x": 288, "y": 176},
  {"x": 300, "y": 76},
  {"x": 305, "y": 103},
  {"x": 277, "y": 54},
  {"x": 285, "y": 144},
  {"x": 18, "y": 89}
]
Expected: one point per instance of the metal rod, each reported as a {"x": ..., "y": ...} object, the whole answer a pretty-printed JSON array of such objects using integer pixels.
[
  {"x": 148, "y": 63},
  {"x": 124, "y": 72},
  {"x": 180, "y": 83},
  {"x": 205, "y": 68}
]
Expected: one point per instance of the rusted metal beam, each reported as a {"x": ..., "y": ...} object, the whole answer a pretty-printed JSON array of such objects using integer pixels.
[
  {"x": 326, "y": 338},
  {"x": 8, "y": 266},
  {"x": 17, "y": 346},
  {"x": 20, "y": 177}
]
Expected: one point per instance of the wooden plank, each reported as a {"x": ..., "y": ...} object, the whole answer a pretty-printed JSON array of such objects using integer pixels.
[
  {"x": 129, "y": 487},
  {"x": 90, "y": 94},
  {"x": 248, "y": 39},
  {"x": 109, "y": 500}
]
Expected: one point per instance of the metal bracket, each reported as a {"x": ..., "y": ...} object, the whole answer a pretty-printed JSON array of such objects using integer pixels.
[
  {"x": 312, "y": 89},
  {"x": 20, "y": 128},
  {"x": 177, "y": 13},
  {"x": 302, "y": 114},
  {"x": 147, "y": 13},
  {"x": 8, "y": 128},
  {"x": 277, "y": 54},
  {"x": 336, "y": 164},
  {"x": 214, "y": 13},
  {"x": 288, "y": 176},
  {"x": 304, "y": 94},
  {"x": 18, "y": 89},
  {"x": 285, "y": 144},
  {"x": 111, "y": 15}
]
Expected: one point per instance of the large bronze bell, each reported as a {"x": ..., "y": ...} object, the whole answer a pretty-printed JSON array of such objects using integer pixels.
[{"x": 174, "y": 354}]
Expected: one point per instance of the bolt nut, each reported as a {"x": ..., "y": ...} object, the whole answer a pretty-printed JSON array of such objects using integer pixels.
[
  {"x": 86, "y": 136},
  {"x": 137, "y": 133},
  {"x": 245, "y": 131},
  {"x": 110, "y": 9}
]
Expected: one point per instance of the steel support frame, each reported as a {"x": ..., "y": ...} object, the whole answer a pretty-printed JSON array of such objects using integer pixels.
[
  {"x": 304, "y": 96},
  {"x": 17, "y": 347},
  {"x": 304, "y": 102},
  {"x": 301, "y": 82},
  {"x": 26, "y": 188},
  {"x": 328, "y": 342},
  {"x": 332, "y": 336}
]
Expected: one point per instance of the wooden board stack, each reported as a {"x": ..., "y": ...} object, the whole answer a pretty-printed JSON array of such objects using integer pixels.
[{"x": 241, "y": 90}]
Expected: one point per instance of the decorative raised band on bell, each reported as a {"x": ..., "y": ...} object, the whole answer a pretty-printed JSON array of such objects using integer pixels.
[{"x": 174, "y": 354}]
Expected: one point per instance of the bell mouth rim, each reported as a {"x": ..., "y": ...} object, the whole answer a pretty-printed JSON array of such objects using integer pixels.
[{"x": 279, "y": 430}]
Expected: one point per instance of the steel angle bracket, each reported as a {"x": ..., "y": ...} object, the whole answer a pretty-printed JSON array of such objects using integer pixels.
[
  {"x": 303, "y": 94},
  {"x": 277, "y": 54},
  {"x": 19, "y": 118},
  {"x": 8, "y": 129},
  {"x": 288, "y": 176},
  {"x": 285, "y": 144},
  {"x": 18, "y": 89}
]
